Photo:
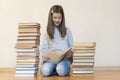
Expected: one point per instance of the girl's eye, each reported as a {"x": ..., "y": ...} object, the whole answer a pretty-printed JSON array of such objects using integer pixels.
[
  {"x": 57, "y": 17},
  {"x": 54, "y": 17}
]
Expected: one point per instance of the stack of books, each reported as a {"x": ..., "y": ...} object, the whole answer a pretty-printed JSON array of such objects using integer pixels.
[
  {"x": 27, "y": 48},
  {"x": 83, "y": 58}
]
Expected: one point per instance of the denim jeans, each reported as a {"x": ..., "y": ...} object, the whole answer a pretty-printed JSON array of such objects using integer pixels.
[{"x": 62, "y": 68}]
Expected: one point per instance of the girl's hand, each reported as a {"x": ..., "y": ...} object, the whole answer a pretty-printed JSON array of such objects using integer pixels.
[
  {"x": 69, "y": 54},
  {"x": 46, "y": 58}
]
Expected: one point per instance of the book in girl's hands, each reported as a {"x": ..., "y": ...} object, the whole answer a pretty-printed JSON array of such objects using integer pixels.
[{"x": 56, "y": 57}]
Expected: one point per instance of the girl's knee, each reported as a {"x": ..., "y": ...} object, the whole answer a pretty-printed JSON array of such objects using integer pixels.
[
  {"x": 46, "y": 71},
  {"x": 62, "y": 70}
]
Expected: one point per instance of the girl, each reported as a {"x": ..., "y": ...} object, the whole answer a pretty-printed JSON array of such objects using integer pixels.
[{"x": 58, "y": 38}]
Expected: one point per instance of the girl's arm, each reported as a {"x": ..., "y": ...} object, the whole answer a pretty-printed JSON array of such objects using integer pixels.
[
  {"x": 70, "y": 39},
  {"x": 69, "y": 55},
  {"x": 45, "y": 45},
  {"x": 70, "y": 42}
]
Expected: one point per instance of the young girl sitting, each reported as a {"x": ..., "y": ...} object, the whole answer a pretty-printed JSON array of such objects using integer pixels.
[{"x": 58, "y": 38}]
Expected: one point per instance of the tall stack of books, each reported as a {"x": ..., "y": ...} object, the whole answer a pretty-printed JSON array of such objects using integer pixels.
[
  {"x": 83, "y": 58},
  {"x": 27, "y": 48}
]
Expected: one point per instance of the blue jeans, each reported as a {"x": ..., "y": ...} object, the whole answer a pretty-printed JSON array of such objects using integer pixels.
[{"x": 62, "y": 68}]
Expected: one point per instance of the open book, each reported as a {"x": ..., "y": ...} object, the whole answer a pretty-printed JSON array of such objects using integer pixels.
[{"x": 56, "y": 57}]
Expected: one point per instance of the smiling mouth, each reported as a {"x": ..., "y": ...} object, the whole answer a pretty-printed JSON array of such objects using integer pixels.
[{"x": 57, "y": 22}]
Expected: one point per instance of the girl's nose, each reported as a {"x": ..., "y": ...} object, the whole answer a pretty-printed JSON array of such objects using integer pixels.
[{"x": 57, "y": 19}]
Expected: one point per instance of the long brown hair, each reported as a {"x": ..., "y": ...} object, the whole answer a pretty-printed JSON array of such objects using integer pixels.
[{"x": 50, "y": 25}]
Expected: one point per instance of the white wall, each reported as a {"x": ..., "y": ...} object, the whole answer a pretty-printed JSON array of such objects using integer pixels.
[{"x": 89, "y": 20}]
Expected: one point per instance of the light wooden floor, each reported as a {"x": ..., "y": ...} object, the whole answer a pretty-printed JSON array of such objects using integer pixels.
[{"x": 100, "y": 73}]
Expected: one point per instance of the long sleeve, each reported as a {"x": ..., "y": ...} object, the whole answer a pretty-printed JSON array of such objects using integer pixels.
[
  {"x": 45, "y": 45},
  {"x": 70, "y": 38},
  {"x": 70, "y": 44}
]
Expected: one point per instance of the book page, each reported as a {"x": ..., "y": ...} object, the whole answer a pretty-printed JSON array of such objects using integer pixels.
[{"x": 55, "y": 56}]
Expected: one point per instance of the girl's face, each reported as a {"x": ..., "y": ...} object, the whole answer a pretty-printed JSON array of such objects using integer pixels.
[{"x": 57, "y": 19}]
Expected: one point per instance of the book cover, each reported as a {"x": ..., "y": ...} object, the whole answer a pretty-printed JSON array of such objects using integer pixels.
[
  {"x": 29, "y": 24},
  {"x": 25, "y": 45},
  {"x": 28, "y": 37},
  {"x": 84, "y": 44}
]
